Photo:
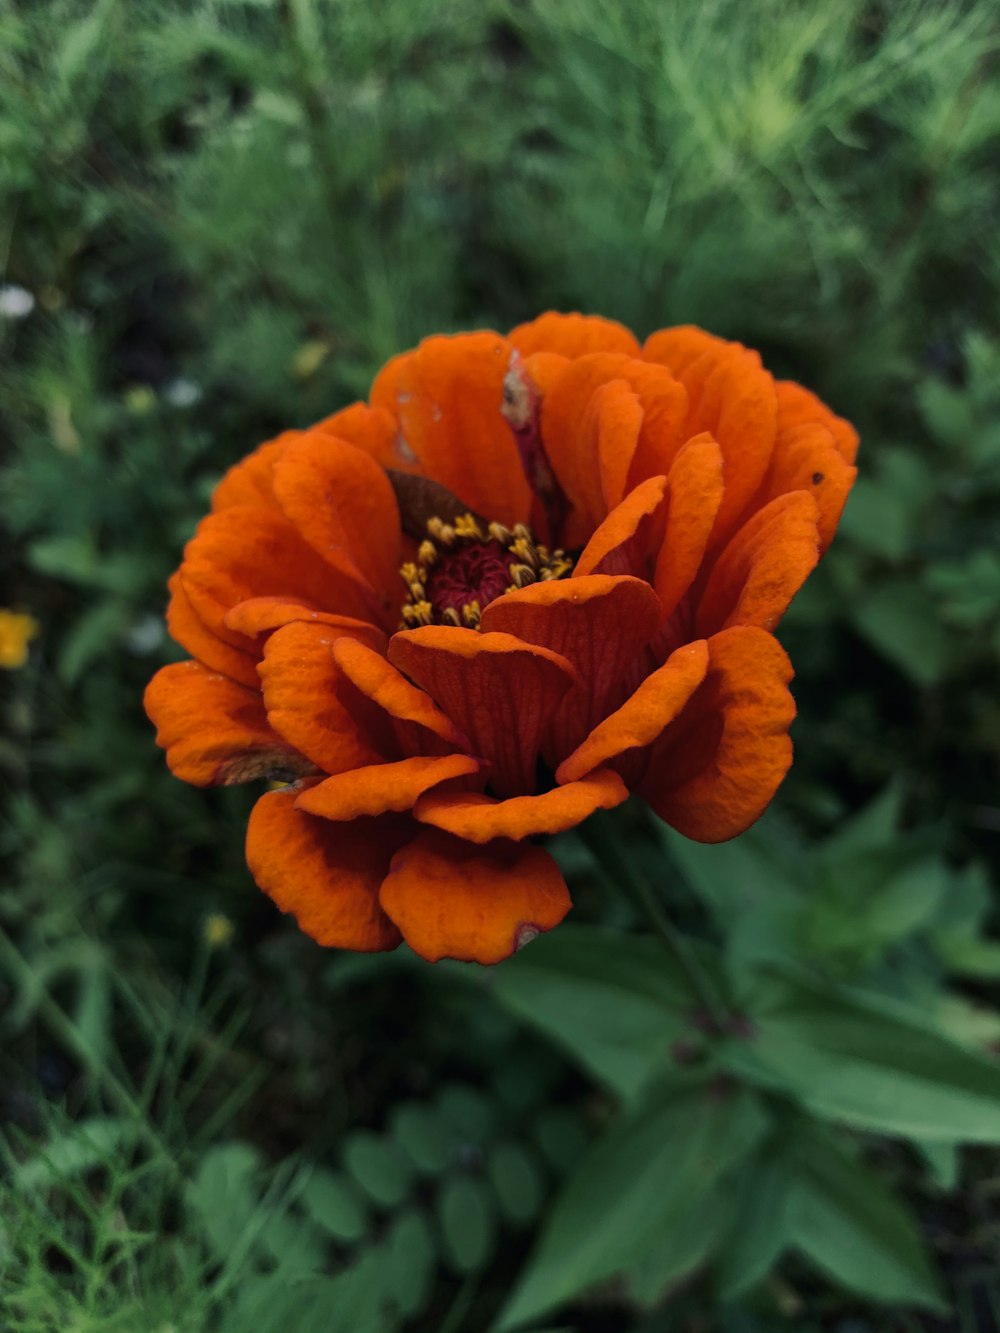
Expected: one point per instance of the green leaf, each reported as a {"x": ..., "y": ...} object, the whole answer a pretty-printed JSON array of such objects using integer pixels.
[
  {"x": 379, "y": 1166},
  {"x": 847, "y": 1223},
  {"x": 679, "y": 1250},
  {"x": 292, "y": 1242},
  {"x": 900, "y": 621},
  {"x": 472, "y": 1115},
  {"x": 224, "y": 1194},
  {"x": 409, "y": 1262},
  {"x": 871, "y": 829},
  {"x": 643, "y": 1178},
  {"x": 761, "y": 1226},
  {"x": 335, "y": 1204},
  {"x": 517, "y": 1179},
  {"x": 80, "y": 1147},
  {"x": 468, "y": 1222},
  {"x": 562, "y": 1136},
  {"x": 424, "y": 1135},
  {"x": 615, "y": 1002},
  {"x": 96, "y": 632},
  {"x": 944, "y": 1161},
  {"x": 870, "y": 1062}
]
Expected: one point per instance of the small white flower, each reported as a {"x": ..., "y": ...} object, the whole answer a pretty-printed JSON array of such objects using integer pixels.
[
  {"x": 181, "y": 393},
  {"x": 16, "y": 302},
  {"x": 145, "y": 635}
]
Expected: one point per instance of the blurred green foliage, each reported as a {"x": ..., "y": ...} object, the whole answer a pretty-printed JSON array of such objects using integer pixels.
[{"x": 216, "y": 221}]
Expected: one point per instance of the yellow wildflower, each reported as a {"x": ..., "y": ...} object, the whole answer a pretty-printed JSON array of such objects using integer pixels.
[
  {"x": 217, "y": 930},
  {"x": 16, "y": 632}
]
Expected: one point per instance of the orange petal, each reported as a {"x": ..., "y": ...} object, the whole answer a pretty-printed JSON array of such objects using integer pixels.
[
  {"x": 381, "y": 788},
  {"x": 631, "y": 535},
  {"x": 259, "y": 615},
  {"x": 599, "y": 624},
  {"x": 571, "y": 433},
  {"x": 763, "y": 567},
  {"x": 326, "y": 875},
  {"x": 341, "y": 501},
  {"x": 694, "y": 494},
  {"x": 189, "y": 630},
  {"x": 606, "y": 434},
  {"x": 412, "y": 716},
  {"x": 642, "y": 718},
  {"x": 716, "y": 768},
  {"x": 452, "y": 899},
  {"x": 240, "y": 553},
  {"x": 572, "y": 335},
  {"x": 678, "y": 347},
  {"x": 303, "y": 695},
  {"x": 731, "y": 395},
  {"x": 806, "y": 458},
  {"x": 214, "y": 731},
  {"x": 370, "y": 428},
  {"x": 798, "y": 407},
  {"x": 498, "y": 690},
  {"x": 447, "y": 397},
  {"x": 248, "y": 482},
  {"x": 479, "y": 818}
]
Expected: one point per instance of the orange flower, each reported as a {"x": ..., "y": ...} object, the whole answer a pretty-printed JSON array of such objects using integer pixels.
[{"x": 595, "y": 539}]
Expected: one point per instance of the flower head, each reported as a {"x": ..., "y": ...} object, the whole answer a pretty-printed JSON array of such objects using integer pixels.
[
  {"x": 531, "y": 575},
  {"x": 16, "y": 631}
]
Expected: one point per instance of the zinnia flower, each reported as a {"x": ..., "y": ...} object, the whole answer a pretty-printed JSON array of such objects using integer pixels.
[{"x": 531, "y": 575}]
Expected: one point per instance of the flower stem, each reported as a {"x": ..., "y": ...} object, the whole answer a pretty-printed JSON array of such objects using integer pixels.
[{"x": 601, "y": 835}]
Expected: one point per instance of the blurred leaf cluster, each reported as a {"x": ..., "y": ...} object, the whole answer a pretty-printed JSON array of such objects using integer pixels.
[{"x": 217, "y": 219}]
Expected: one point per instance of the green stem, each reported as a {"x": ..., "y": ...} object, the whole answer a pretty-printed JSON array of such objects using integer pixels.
[{"x": 601, "y": 835}]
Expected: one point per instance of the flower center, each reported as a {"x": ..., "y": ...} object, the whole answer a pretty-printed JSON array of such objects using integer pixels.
[{"x": 463, "y": 566}]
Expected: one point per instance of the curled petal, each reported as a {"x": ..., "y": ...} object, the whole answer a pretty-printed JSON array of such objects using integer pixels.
[
  {"x": 763, "y": 567},
  {"x": 716, "y": 768},
  {"x": 214, "y": 731},
  {"x": 572, "y": 335},
  {"x": 732, "y": 396},
  {"x": 679, "y": 347},
  {"x": 411, "y": 714},
  {"x": 248, "y": 482},
  {"x": 188, "y": 629},
  {"x": 628, "y": 540},
  {"x": 621, "y": 737},
  {"x": 599, "y": 624},
  {"x": 370, "y": 428},
  {"x": 240, "y": 553},
  {"x": 694, "y": 494},
  {"x": 798, "y": 407},
  {"x": 260, "y": 615},
  {"x": 609, "y": 441},
  {"x": 340, "y": 500},
  {"x": 451, "y": 899},
  {"x": 383, "y": 788},
  {"x": 303, "y": 695},
  {"x": 806, "y": 458},
  {"x": 499, "y": 691},
  {"x": 447, "y": 397},
  {"x": 326, "y": 875},
  {"x": 478, "y": 818}
]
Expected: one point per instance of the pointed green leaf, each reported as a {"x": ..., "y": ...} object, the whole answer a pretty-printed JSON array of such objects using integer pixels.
[
  {"x": 643, "y": 1178},
  {"x": 615, "y": 1002},
  {"x": 870, "y": 1062},
  {"x": 851, "y": 1226}
]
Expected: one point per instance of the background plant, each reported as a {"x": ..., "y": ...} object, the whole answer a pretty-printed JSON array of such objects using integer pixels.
[{"x": 217, "y": 220}]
